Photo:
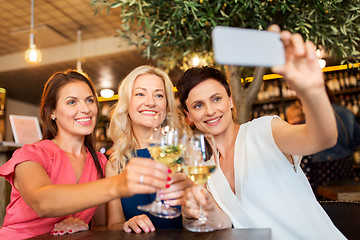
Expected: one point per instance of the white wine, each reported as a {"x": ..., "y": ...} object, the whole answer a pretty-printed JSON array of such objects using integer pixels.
[
  {"x": 200, "y": 174},
  {"x": 167, "y": 155}
]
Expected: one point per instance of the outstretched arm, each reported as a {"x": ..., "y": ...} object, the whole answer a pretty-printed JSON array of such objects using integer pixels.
[
  {"x": 50, "y": 200},
  {"x": 303, "y": 74}
]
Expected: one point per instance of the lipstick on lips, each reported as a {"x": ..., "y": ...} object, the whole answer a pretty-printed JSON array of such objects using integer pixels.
[{"x": 213, "y": 121}]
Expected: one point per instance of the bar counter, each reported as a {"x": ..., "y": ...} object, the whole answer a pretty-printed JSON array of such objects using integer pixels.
[{"x": 165, "y": 234}]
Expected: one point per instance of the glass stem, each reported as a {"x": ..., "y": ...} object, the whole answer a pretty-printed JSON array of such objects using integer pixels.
[
  {"x": 157, "y": 197},
  {"x": 202, "y": 218}
]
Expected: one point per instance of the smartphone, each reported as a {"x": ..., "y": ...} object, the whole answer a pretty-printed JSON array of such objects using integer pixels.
[{"x": 247, "y": 47}]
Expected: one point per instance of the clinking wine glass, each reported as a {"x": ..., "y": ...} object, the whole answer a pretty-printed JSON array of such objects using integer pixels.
[
  {"x": 166, "y": 146},
  {"x": 200, "y": 148}
]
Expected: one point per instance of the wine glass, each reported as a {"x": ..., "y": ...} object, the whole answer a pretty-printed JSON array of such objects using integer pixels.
[
  {"x": 199, "y": 164},
  {"x": 166, "y": 146}
]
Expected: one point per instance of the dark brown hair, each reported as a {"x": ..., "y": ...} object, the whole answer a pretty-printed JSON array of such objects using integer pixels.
[
  {"x": 194, "y": 76},
  {"x": 49, "y": 99}
]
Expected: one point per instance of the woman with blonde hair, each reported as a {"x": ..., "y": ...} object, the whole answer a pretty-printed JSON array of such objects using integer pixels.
[
  {"x": 65, "y": 172},
  {"x": 146, "y": 92}
]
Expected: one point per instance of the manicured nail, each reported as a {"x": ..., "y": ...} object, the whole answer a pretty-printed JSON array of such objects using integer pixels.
[
  {"x": 61, "y": 231},
  {"x": 70, "y": 231},
  {"x": 169, "y": 171},
  {"x": 55, "y": 232},
  {"x": 168, "y": 178},
  {"x": 152, "y": 229},
  {"x": 167, "y": 185},
  {"x": 52, "y": 232}
]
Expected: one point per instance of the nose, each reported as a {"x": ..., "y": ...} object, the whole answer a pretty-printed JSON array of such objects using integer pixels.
[
  {"x": 210, "y": 110},
  {"x": 84, "y": 108},
  {"x": 150, "y": 101}
]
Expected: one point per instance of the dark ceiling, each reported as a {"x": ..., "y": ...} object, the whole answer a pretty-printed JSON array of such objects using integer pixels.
[{"x": 56, "y": 25}]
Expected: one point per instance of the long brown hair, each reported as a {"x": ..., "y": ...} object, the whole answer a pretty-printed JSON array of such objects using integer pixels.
[{"x": 49, "y": 99}]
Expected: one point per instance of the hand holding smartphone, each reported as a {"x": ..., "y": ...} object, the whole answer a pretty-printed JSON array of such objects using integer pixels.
[{"x": 247, "y": 47}]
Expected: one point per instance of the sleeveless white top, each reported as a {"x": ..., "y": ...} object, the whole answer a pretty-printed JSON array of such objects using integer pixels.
[{"x": 269, "y": 191}]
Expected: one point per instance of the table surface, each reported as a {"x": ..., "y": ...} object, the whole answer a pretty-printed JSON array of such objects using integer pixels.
[
  {"x": 165, "y": 234},
  {"x": 341, "y": 191}
]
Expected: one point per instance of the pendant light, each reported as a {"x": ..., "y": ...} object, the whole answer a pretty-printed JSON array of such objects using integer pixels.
[
  {"x": 32, "y": 55},
  {"x": 78, "y": 62}
]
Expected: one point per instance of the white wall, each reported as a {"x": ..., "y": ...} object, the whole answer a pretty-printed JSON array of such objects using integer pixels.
[{"x": 18, "y": 108}]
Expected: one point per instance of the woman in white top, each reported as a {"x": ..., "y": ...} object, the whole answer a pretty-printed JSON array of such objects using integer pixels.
[{"x": 258, "y": 182}]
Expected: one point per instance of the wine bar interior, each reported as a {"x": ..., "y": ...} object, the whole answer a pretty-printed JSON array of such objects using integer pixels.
[{"x": 88, "y": 86}]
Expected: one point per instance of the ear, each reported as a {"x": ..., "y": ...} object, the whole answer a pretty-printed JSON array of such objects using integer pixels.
[{"x": 188, "y": 115}]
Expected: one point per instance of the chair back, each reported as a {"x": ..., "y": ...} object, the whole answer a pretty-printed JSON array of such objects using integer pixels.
[{"x": 345, "y": 216}]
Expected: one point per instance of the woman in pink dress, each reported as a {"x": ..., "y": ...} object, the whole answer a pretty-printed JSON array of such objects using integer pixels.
[{"x": 58, "y": 182}]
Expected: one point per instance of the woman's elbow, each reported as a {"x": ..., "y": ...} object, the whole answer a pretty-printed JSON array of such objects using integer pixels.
[
  {"x": 331, "y": 139},
  {"x": 43, "y": 209}
]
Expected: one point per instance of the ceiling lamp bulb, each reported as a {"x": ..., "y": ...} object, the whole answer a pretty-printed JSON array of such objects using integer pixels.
[
  {"x": 195, "y": 61},
  {"x": 106, "y": 93},
  {"x": 33, "y": 55}
]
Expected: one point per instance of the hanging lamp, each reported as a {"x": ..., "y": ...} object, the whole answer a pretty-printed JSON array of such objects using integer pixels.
[{"x": 32, "y": 55}]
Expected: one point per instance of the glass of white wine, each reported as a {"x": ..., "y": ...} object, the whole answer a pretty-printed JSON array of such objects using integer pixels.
[
  {"x": 166, "y": 146},
  {"x": 199, "y": 164}
]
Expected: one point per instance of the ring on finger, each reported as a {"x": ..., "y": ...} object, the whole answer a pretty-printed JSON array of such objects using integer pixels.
[{"x": 141, "y": 179}]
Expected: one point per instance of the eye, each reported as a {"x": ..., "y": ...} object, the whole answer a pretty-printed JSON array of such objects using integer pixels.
[
  {"x": 217, "y": 99},
  {"x": 139, "y": 94},
  {"x": 198, "y": 105},
  {"x": 90, "y": 100},
  {"x": 159, "y": 95},
  {"x": 71, "y": 102}
]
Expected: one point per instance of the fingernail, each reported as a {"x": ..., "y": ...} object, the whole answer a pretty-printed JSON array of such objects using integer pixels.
[
  {"x": 52, "y": 232},
  {"x": 61, "y": 231},
  {"x": 55, "y": 232},
  {"x": 169, "y": 171},
  {"x": 167, "y": 185},
  {"x": 70, "y": 231},
  {"x": 152, "y": 229},
  {"x": 168, "y": 178}
]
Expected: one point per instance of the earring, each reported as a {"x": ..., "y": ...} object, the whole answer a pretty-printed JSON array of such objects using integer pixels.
[{"x": 53, "y": 118}]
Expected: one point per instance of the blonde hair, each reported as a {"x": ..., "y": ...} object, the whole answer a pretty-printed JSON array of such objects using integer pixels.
[{"x": 121, "y": 126}]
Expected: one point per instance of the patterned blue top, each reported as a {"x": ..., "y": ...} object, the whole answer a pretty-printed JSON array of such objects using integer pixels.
[{"x": 130, "y": 205}]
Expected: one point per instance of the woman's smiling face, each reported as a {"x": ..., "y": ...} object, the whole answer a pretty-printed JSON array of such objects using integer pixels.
[
  {"x": 209, "y": 107},
  {"x": 147, "y": 100},
  {"x": 76, "y": 110}
]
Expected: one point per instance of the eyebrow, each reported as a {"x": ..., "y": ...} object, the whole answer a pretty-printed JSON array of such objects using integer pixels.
[
  {"x": 70, "y": 97},
  {"x": 156, "y": 90},
  {"x": 214, "y": 95},
  {"x": 201, "y": 101}
]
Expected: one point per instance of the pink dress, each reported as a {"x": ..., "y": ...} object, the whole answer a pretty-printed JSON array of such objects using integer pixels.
[{"x": 20, "y": 220}]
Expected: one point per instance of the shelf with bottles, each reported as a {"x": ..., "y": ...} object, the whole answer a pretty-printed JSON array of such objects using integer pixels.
[
  {"x": 103, "y": 140},
  {"x": 345, "y": 85},
  {"x": 275, "y": 95}
]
